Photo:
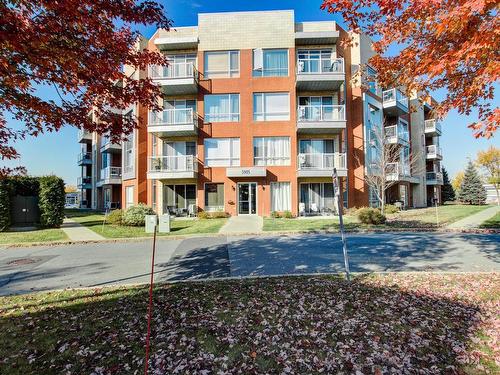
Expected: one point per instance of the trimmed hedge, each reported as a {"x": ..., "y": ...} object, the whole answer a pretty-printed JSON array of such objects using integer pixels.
[
  {"x": 369, "y": 215},
  {"x": 5, "y": 193},
  {"x": 115, "y": 217},
  {"x": 134, "y": 216},
  {"x": 52, "y": 199}
]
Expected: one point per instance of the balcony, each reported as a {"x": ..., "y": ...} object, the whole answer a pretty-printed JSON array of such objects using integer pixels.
[
  {"x": 399, "y": 172},
  {"x": 84, "y": 183},
  {"x": 172, "y": 167},
  {"x": 84, "y": 136},
  {"x": 432, "y": 127},
  {"x": 320, "y": 74},
  {"x": 108, "y": 146},
  {"x": 320, "y": 119},
  {"x": 396, "y": 134},
  {"x": 85, "y": 158},
  {"x": 434, "y": 178},
  {"x": 173, "y": 122},
  {"x": 176, "y": 78},
  {"x": 433, "y": 152},
  {"x": 394, "y": 102},
  {"x": 321, "y": 164},
  {"x": 110, "y": 176}
]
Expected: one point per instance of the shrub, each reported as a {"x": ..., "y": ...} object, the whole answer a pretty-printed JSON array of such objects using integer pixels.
[
  {"x": 51, "y": 201},
  {"x": 352, "y": 211},
  {"x": 219, "y": 215},
  {"x": 288, "y": 215},
  {"x": 275, "y": 215},
  {"x": 391, "y": 209},
  {"x": 371, "y": 216},
  {"x": 4, "y": 204},
  {"x": 115, "y": 217},
  {"x": 203, "y": 215},
  {"x": 134, "y": 215}
]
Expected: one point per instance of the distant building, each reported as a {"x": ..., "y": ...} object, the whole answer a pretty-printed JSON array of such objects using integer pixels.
[
  {"x": 491, "y": 194},
  {"x": 72, "y": 200}
]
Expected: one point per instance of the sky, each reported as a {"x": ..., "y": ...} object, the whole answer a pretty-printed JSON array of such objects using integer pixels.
[{"x": 56, "y": 153}]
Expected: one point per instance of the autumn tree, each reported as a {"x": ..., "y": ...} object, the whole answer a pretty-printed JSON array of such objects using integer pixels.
[
  {"x": 452, "y": 45},
  {"x": 77, "y": 49},
  {"x": 489, "y": 162},
  {"x": 457, "y": 181}
]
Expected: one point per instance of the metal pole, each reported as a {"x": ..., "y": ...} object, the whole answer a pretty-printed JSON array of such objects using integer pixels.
[
  {"x": 150, "y": 306},
  {"x": 337, "y": 189},
  {"x": 437, "y": 214}
]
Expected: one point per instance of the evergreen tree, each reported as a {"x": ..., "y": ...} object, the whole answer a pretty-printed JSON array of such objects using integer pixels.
[
  {"x": 447, "y": 192},
  {"x": 472, "y": 190}
]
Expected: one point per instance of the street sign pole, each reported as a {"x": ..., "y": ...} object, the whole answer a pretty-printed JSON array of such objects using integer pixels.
[{"x": 338, "y": 191}]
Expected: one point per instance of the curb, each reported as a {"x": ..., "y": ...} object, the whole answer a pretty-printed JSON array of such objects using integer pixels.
[{"x": 261, "y": 234}]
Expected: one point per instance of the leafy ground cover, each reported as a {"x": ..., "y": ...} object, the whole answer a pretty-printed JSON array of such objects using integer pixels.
[
  {"x": 38, "y": 235},
  {"x": 394, "y": 323},
  {"x": 94, "y": 220},
  {"x": 494, "y": 222},
  {"x": 415, "y": 218}
]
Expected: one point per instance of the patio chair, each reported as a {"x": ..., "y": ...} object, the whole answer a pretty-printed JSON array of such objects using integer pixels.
[{"x": 302, "y": 209}]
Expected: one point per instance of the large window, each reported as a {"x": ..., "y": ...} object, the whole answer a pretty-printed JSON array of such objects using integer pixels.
[
  {"x": 270, "y": 62},
  {"x": 178, "y": 111},
  {"x": 128, "y": 154},
  {"x": 316, "y": 199},
  {"x": 317, "y": 61},
  {"x": 271, "y": 106},
  {"x": 280, "y": 196},
  {"x": 214, "y": 197},
  {"x": 222, "y": 152},
  {"x": 271, "y": 151},
  {"x": 222, "y": 64},
  {"x": 221, "y": 108},
  {"x": 177, "y": 199}
]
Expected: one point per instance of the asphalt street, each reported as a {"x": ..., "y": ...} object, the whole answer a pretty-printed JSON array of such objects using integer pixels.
[{"x": 29, "y": 269}]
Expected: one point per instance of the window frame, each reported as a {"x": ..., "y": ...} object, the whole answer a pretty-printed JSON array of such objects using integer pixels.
[
  {"x": 231, "y": 115},
  {"x": 254, "y": 71},
  {"x": 230, "y": 73},
  {"x": 265, "y": 114},
  {"x": 232, "y": 162},
  {"x": 208, "y": 208},
  {"x": 265, "y": 158}
]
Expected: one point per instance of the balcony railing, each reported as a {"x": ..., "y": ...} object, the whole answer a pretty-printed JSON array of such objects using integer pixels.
[
  {"x": 432, "y": 126},
  {"x": 82, "y": 181},
  {"x": 396, "y": 133},
  {"x": 85, "y": 157},
  {"x": 394, "y": 96},
  {"x": 320, "y": 66},
  {"x": 173, "y": 116},
  {"x": 321, "y": 113},
  {"x": 177, "y": 163},
  {"x": 322, "y": 161},
  {"x": 174, "y": 71},
  {"x": 396, "y": 170},
  {"x": 111, "y": 173},
  {"x": 434, "y": 176},
  {"x": 83, "y": 134},
  {"x": 433, "y": 151}
]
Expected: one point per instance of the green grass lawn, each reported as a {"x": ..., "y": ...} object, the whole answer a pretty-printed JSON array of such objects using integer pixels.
[
  {"x": 448, "y": 214},
  {"x": 392, "y": 323},
  {"x": 39, "y": 235},
  {"x": 281, "y": 224},
  {"x": 493, "y": 223},
  {"x": 94, "y": 221}
]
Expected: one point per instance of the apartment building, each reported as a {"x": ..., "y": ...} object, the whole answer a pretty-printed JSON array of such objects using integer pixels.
[{"x": 257, "y": 111}]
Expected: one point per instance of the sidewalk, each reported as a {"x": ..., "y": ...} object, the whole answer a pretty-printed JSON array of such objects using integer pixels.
[
  {"x": 475, "y": 220},
  {"x": 243, "y": 224},
  {"x": 77, "y": 232}
]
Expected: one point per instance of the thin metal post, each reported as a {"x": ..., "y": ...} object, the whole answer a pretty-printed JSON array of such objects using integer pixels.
[
  {"x": 437, "y": 214},
  {"x": 150, "y": 306},
  {"x": 338, "y": 190}
]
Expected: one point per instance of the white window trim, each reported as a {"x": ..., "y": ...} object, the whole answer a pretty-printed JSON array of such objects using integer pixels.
[
  {"x": 261, "y": 69},
  {"x": 265, "y": 114},
  {"x": 232, "y": 162},
  {"x": 230, "y": 115},
  {"x": 228, "y": 72},
  {"x": 266, "y": 159},
  {"x": 214, "y": 208}
]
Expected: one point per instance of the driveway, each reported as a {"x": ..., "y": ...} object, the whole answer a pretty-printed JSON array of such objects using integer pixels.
[{"x": 94, "y": 265}]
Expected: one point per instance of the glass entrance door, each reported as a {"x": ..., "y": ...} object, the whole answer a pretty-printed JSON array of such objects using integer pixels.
[{"x": 247, "y": 198}]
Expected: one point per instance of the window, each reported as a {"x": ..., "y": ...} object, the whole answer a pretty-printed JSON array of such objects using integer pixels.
[
  {"x": 214, "y": 197},
  {"x": 178, "y": 198},
  {"x": 179, "y": 111},
  {"x": 179, "y": 66},
  {"x": 128, "y": 154},
  {"x": 270, "y": 62},
  {"x": 269, "y": 106},
  {"x": 179, "y": 156},
  {"x": 129, "y": 196},
  {"x": 222, "y": 64},
  {"x": 221, "y": 108},
  {"x": 318, "y": 61},
  {"x": 153, "y": 194},
  {"x": 271, "y": 151},
  {"x": 280, "y": 196},
  {"x": 317, "y": 198},
  {"x": 319, "y": 108},
  {"x": 222, "y": 152},
  {"x": 104, "y": 160}
]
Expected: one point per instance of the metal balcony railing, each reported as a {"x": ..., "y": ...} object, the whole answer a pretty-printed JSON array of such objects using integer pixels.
[
  {"x": 394, "y": 96},
  {"x": 173, "y": 116},
  {"x": 321, "y": 113},
  {"x": 111, "y": 172},
  {"x": 84, "y": 157},
  {"x": 396, "y": 133},
  {"x": 320, "y": 65},
  {"x": 177, "y": 163},
  {"x": 81, "y": 181},
  {"x": 322, "y": 160},
  {"x": 433, "y": 151},
  {"x": 398, "y": 169},
  {"x": 174, "y": 71},
  {"x": 434, "y": 176},
  {"x": 432, "y": 126}
]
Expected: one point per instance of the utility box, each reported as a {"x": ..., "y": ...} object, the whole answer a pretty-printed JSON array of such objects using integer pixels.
[
  {"x": 164, "y": 226},
  {"x": 150, "y": 221}
]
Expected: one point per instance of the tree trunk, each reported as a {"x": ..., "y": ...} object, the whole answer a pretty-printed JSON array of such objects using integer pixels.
[
  {"x": 498, "y": 194},
  {"x": 382, "y": 206}
]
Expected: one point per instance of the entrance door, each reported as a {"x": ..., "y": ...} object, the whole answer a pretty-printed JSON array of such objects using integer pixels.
[{"x": 247, "y": 198}]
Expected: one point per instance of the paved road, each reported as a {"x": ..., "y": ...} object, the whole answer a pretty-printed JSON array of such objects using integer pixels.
[{"x": 53, "y": 267}]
